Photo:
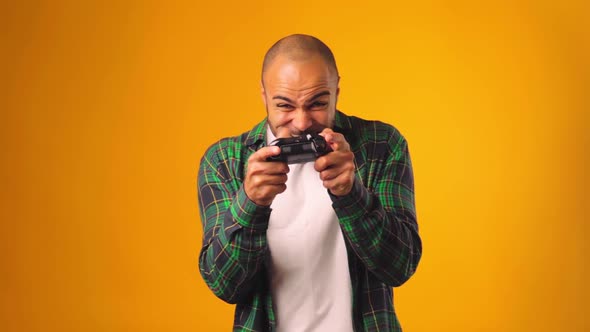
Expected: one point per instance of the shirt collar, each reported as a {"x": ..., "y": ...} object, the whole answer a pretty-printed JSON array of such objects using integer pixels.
[
  {"x": 256, "y": 138},
  {"x": 342, "y": 124}
]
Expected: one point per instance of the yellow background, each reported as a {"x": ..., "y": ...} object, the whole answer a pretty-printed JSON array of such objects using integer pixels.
[{"x": 106, "y": 109}]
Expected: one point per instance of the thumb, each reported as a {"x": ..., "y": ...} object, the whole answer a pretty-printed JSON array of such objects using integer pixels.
[{"x": 265, "y": 152}]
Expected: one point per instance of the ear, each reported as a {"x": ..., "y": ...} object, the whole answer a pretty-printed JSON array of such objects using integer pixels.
[
  {"x": 263, "y": 93},
  {"x": 337, "y": 89}
]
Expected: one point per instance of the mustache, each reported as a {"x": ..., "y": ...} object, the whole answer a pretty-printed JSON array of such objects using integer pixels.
[
  {"x": 314, "y": 129},
  {"x": 286, "y": 132}
]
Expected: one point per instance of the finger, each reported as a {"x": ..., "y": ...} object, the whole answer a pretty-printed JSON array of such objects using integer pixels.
[
  {"x": 341, "y": 185},
  {"x": 330, "y": 174},
  {"x": 326, "y": 131},
  {"x": 271, "y": 191},
  {"x": 267, "y": 167},
  {"x": 266, "y": 194},
  {"x": 333, "y": 159},
  {"x": 265, "y": 152},
  {"x": 279, "y": 188},
  {"x": 336, "y": 140},
  {"x": 334, "y": 171},
  {"x": 274, "y": 179},
  {"x": 276, "y": 167},
  {"x": 326, "y": 161},
  {"x": 264, "y": 179},
  {"x": 321, "y": 163}
]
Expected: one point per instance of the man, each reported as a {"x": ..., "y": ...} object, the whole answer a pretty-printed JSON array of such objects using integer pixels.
[{"x": 316, "y": 246}]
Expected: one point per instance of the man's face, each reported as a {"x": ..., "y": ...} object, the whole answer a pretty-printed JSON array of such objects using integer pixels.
[{"x": 300, "y": 96}]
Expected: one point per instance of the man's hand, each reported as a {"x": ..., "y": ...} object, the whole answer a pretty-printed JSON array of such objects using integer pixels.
[
  {"x": 336, "y": 168},
  {"x": 265, "y": 179}
]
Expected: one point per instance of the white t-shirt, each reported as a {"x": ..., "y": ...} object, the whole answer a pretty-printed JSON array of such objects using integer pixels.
[{"x": 310, "y": 279}]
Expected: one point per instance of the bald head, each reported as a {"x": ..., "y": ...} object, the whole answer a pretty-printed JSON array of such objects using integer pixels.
[{"x": 300, "y": 47}]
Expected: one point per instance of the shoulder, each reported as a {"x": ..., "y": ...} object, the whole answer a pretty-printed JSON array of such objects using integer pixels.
[
  {"x": 373, "y": 132},
  {"x": 228, "y": 154},
  {"x": 225, "y": 148}
]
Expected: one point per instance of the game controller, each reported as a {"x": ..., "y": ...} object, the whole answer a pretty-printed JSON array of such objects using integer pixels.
[{"x": 300, "y": 149}]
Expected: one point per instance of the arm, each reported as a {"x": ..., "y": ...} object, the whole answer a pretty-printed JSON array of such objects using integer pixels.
[
  {"x": 380, "y": 223},
  {"x": 234, "y": 226},
  {"x": 234, "y": 232}
]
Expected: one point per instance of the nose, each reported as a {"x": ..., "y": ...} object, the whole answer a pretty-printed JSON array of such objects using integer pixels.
[{"x": 302, "y": 120}]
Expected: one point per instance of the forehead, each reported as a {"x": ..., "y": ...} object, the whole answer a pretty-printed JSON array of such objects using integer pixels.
[{"x": 299, "y": 75}]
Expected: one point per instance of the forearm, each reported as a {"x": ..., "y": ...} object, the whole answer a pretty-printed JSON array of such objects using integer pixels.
[
  {"x": 386, "y": 240},
  {"x": 234, "y": 246}
]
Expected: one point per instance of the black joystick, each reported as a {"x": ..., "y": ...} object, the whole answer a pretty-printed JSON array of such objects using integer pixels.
[{"x": 300, "y": 149}]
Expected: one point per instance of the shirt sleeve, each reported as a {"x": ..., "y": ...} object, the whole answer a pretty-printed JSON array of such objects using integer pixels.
[
  {"x": 380, "y": 223},
  {"x": 234, "y": 230}
]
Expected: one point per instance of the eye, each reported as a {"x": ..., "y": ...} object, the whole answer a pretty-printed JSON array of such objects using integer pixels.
[
  {"x": 285, "y": 106},
  {"x": 318, "y": 104}
]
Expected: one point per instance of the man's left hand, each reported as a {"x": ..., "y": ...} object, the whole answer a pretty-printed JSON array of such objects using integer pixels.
[{"x": 337, "y": 167}]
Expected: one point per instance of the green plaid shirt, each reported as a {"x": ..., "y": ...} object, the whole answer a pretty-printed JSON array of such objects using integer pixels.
[{"x": 377, "y": 218}]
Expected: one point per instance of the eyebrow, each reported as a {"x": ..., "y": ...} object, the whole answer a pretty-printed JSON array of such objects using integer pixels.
[{"x": 317, "y": 95}]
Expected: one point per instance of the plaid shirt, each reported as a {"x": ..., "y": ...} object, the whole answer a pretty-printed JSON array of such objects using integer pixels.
[{"x": 377, "y": 219}]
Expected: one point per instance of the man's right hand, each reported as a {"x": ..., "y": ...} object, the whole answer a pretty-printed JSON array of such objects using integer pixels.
[{"x": 265, "y": 179}]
